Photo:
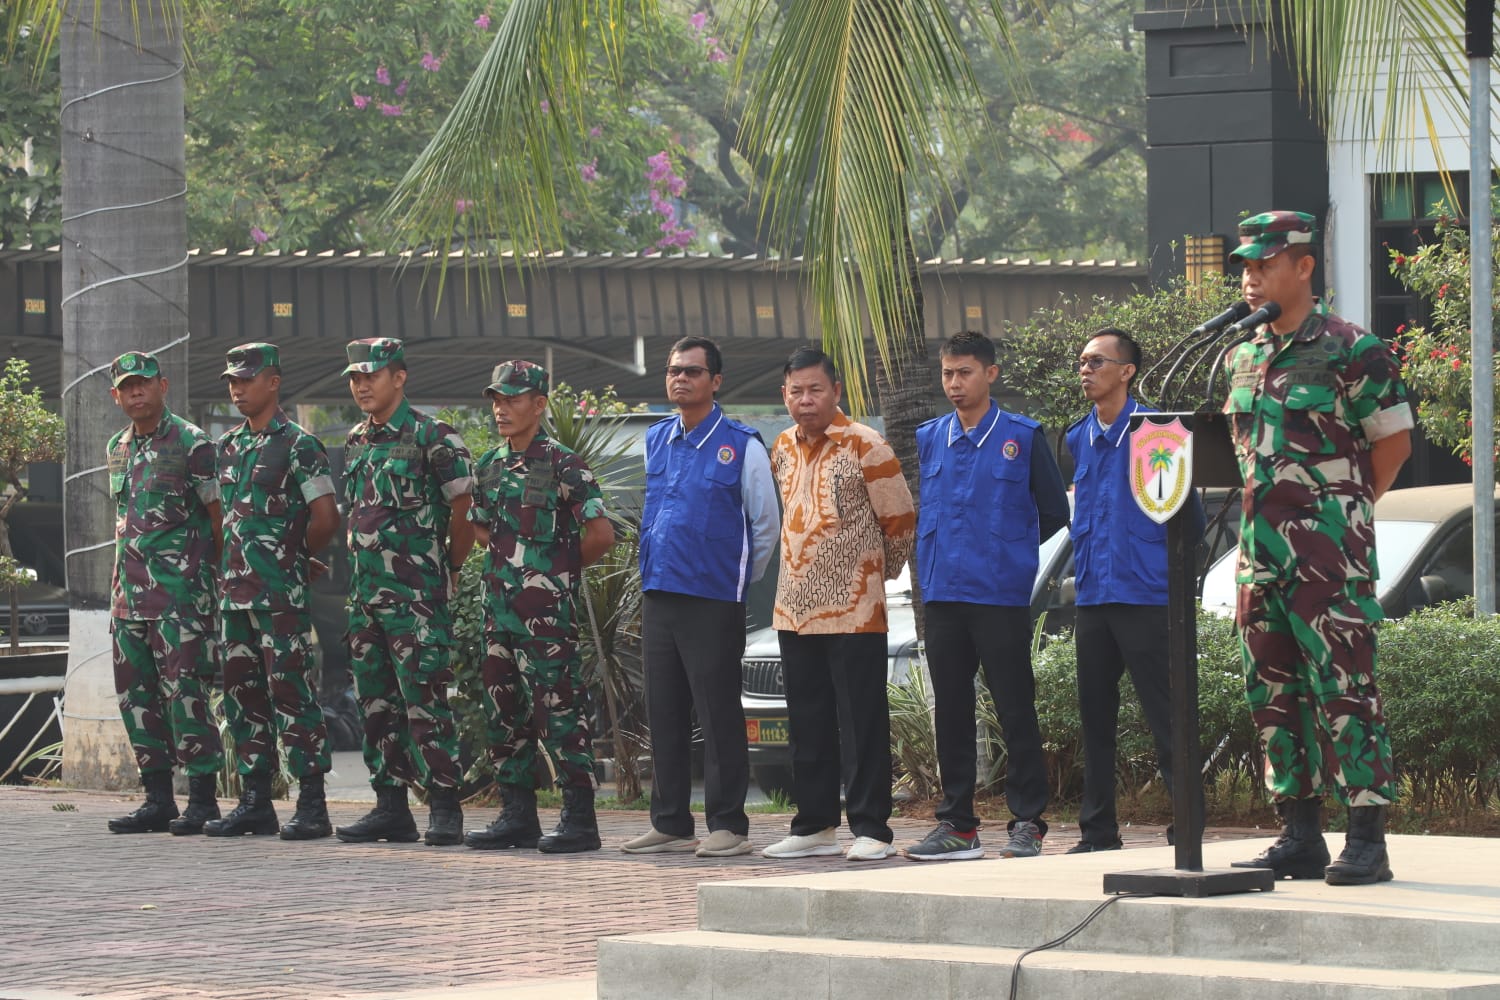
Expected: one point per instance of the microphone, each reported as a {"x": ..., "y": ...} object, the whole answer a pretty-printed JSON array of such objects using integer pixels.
[
  {"x": 1238, "y": 311},
  {"x": 1265, "y": 314}
]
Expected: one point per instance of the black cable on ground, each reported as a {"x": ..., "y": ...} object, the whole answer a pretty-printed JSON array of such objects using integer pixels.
[{"x": 1015, "y": 971}]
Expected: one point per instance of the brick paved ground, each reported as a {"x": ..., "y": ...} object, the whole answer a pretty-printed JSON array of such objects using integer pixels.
[{"x": 85, "y": 912}]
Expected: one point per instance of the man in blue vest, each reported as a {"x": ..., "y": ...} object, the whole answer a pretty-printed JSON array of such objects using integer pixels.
[
  {"x": 991, "y": 491},
  {"x": 1120, "y": 556},
  {"x": 708, "y": 530}
]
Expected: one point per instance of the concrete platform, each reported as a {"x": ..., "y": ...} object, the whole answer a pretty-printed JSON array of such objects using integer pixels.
[{"x": 955, "y": 931}]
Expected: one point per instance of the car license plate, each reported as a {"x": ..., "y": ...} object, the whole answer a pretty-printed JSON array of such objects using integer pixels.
[{"x": 767, "y": 731}]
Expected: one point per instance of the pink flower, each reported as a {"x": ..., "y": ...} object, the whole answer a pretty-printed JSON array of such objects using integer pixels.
[
  {"x": 361, "y": 101},
  {"x": 698, "y": 20},
  {"x": 590, "y": 171},
  {"x": 595, "y": 132},
  {"x": 1457, "y": 363},
  {"x": 401, "y": 88},
  {"x": 259, "y": 235},
  {"x": 462, "y": 205},
  {"x": 482, "y": 22},
  {"x": 431, "y": 63},
  {"x": 546, "y": 106},
  {"x": 382, "y": 76},
  {"x": 391, "y": 110},
  {"x": 717, "y": 55}
]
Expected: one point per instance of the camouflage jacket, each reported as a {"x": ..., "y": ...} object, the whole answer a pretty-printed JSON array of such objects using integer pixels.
[
  {"x": 267, "y": 479},
  {"x": 1303, "y": 410},
  {"x": 399, "y": 479},
  {"x": 534, "y": 505},
  {"x": 164, "y": 540}
]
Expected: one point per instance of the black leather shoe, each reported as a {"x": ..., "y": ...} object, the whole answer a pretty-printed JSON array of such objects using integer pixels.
[
  {"x": 445, "y": 818},
  {"x": 1300, "y": 851},
  {"x": 1363, "y": 860},
  {"x": 310, "y": 820},
  {"x": 577, "y": 829},
  {"x": 516, "y": 826},
  {"x": 391, "y": 820},
  {"x": 255, "y": 815},
  {"x": 156, "y": 813},
  {"x": 202, "y": 806},
  {"x": 1089, "y": 847}
]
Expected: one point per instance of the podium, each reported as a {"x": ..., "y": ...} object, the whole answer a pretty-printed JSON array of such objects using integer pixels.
[{"x": 1213, "y": 464}]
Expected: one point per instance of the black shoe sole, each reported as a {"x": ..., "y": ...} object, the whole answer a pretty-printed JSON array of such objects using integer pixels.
[
  {"x": 138, "y": 829},
  {"x": 390, "y": 838},
  {"x": 269, "y": 829},
  {"x": 304, "y": 833},
  {"x": 569, "y": 848},
  {"x": 501, "y": 845}
]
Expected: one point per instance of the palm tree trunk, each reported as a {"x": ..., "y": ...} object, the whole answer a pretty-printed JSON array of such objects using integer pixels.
[
  {"x": 124, "y": 288},
  {"x": 904, "y": 385}
]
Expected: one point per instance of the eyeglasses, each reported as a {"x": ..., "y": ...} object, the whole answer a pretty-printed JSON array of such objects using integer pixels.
[
  {"x": 1095, "y": 363},
  {"x": 691, "y": 371}
]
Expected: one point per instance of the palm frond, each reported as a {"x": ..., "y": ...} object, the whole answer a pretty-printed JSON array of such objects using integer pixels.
[
  {"x": 1389, "y": 70},
  {"x": 856, "y": 107},
  {"x": 488, "y": 176}
]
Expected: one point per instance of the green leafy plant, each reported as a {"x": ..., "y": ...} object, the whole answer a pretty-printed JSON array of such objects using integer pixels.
[
  {"x": 1436, "y": 359},
  {"x": 29, "y": 432}
]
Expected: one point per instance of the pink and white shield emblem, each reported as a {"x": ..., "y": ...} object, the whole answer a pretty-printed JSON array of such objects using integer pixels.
[{"x": 1161, "y": 466}]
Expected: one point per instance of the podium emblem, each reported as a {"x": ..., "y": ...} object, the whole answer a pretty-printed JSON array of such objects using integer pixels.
[{"x": 1161, "y": 466}]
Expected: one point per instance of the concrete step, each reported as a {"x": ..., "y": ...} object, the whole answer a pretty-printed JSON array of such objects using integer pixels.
[
  {"x": 711, "y": 965},
  {"x": 1439, "y": 915}
]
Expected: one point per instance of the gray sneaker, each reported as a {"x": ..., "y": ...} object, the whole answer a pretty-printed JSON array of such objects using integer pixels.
[{"x": 1025, "y": 840}]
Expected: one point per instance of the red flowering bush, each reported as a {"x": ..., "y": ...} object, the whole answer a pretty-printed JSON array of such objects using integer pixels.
[{"x": 1435, "y": 359}]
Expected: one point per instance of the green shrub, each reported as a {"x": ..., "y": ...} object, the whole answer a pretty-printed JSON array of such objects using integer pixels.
[{"x": 1438, "y": 678}]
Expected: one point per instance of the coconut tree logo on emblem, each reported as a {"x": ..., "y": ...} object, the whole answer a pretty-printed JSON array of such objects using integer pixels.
[{"x": 1161, "y": 466}]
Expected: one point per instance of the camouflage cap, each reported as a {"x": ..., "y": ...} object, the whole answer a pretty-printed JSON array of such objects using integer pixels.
[
  {"x": 133, "y": 363},
  {"x": 514, "y": 378},
  {"x": 372, "y": 354},
  {"x": 249, "y": 360},
  {"x": 1265, "y": 235}
]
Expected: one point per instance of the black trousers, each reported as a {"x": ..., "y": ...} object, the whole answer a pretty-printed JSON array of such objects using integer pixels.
[
  {"x": 1110, "y": 639},
  {"x": 830, "y": 678},
  {"x": 692, "y": 648},
  {"x": 961, "y": 638}
]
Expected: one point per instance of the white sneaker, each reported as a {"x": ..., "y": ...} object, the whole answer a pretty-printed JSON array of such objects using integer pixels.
[
  {"x": 869, "y": 849},
  {"x": 812, "y": 845}
]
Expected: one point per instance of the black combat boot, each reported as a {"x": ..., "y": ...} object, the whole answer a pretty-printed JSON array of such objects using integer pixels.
[
  {"x": 1300, "y": 851},
  {"x": 1363, "y": 860},
  {"x": 445, "y": 818},
  {"x": 202, "y": 805},
  {"x": 156, "y": 813},
  {"x": 391, "y": 820},
  {"x": 516, "y": 826},
  {"x": 254, "y": 815},
  {"x": 310, "y": 821},
  {"x": 577, "y": 829}
]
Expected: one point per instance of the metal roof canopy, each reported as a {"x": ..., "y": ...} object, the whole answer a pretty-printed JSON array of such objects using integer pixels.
[{"x": 600, "y": 319}]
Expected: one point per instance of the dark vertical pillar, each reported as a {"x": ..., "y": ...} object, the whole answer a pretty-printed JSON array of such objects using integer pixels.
[{"x": 1226, "y": 131}]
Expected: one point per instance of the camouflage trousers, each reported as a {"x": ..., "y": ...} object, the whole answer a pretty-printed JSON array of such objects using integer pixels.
[
  {"x": 1309, "y": 655},
  {"x": 267, "y": 690},
  {"x": 401, "y": 658},
  {"x": 534, "y": 694},
  {"x": 164, "y": 669}
]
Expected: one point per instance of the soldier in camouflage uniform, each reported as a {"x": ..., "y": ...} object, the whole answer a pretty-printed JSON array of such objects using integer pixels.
[
  {"x": 161, "y": 474},
  {"x": 407, "y": 481},
  {"x": 278, "y": 510},
  {"x": 540, "y": 515},
  {"x": 1322, "y": 425}
]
